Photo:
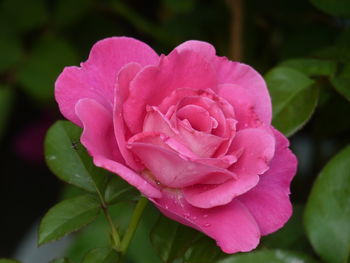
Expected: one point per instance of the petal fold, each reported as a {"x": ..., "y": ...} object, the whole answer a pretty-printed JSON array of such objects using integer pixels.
[
  {"x": 232, "y": 226},
  {"x": 269, "y": 201},
  {"x": 96, "y": 77}
]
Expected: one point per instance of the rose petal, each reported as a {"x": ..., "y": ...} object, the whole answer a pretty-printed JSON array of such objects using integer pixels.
[
  {"x": 128, "y": 175},
  {"x": 155, "y": 121},
  {"x": 269, "y": 201},
  {"x": 95, "y": 78},
  {"x": 258, "y": 148},
  {"x": 236, "y": 73},
  {"x": 232, "y": 226},
  {"x": 98, "y": 135},
  {"x": 212, "y": 107},
  {"x": 154, "y": 83},
  {"x": 126, "y": 74},
  {"x": 197, "y": 116},
  {"x": 177, "y": 95},
  {"x": 201, "y": 47},
  {"x": 243, "y": 104},
  {"x": 173, "y": 170},
  {"x": 245, "y": 76},
  {"x": 202, "y": 144},
  {"x": 208, "y": 196}
]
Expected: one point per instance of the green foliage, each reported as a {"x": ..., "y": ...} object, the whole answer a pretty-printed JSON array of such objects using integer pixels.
[
  {"x": 204, "y": 250},
  {"x": 294, "y": 98},
  {"x": 269, "y": 256},
  {"x": 5, "y": 260},
  {"x": 101, "y": 255},
  {"x": 339, "y": 8},
  {"x": 11, "y": 51},
  {"x": 48, "y": 58},
  {"x": 341, "y": 81},
  {"x": 68, "y": 159},
  {"x": 118, "y": 190},
  {"x": 312, "y": 66},
  {"x": 171, "y": 239},
  {"x": 24, "y": 15},
  {"x": 327, "y": 213},
  {"x": 68, "y": 12},
  {"x": 61, "y": 260},
  {"x": 180, "y": 6},
  {"x": 67, "y": 216}
]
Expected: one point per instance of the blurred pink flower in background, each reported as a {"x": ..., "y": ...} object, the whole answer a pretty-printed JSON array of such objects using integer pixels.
[
  {"x": 28, "y": 143},
  {"x": 190, "y": 130}
]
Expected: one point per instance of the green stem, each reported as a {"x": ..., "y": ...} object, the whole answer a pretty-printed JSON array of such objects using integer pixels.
[
  {"x": 135, "y": 219},
  {"x": 114, "y": 232}
]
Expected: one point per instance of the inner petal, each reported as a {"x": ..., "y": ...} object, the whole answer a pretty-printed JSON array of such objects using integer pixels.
[
  {"x": 212, "y": 108},
  {"x": 198, "y": 117}
]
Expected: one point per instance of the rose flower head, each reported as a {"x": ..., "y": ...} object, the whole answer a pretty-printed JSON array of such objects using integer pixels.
[{"x": 190, "y": 130}]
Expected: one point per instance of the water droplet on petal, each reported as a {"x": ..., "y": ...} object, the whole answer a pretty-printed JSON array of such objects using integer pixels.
[
  {"x": 186, "y": 215},
  {"x": 207, "y": 225},
  {"x": 194, "y": 218},
  {"x": 205, "y": 216}
]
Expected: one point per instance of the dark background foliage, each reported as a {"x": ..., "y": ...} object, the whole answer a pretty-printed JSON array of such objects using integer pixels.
[{"x": 39, "y": 37}]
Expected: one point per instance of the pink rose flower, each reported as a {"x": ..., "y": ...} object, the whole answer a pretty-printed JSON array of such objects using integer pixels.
[{"x": 190, "y": 130}]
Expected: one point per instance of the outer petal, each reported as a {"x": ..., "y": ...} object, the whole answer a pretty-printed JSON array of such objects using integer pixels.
[
  {"x": 232, "y": 226},
  {"x": 245, "y": 76},
  {"x": 98, "y": 135},
  {"x": 176, "y": 171},
  {"x": 238, "y": 74},
  {"x": 269, "y": 201},
  {"x": 257, "y": 147},
  {"x": 128, "y": 175},
  {"x": 96, "y": 77},
  {"x": 126, "y": 74},
  {"x": 243, "y": 103},
  {"x": 201, "y": 47},
  {"x": 98, "y": 138},
  {"x": 185, "y": 70}
]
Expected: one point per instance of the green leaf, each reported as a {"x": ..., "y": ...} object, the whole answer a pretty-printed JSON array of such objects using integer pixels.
[
  {"x": 341, "y": 82},
  {"x": 101, "y": 255},
  {"x": 68, "y": 159},
  {"x": 117, "y": 190},
  {"x": 48, "y": 58},
  {"x": 339, "y": 8},
  {"x": 67, "y": 216},
  {"x": 311, "y": 66},
  {"x": 6, "y": 100},
  {"x": 171, "y": 239},
  {"x": 5, "y": 260},
  {"x": 294, "y": 98},
  {"x": 327, "y": 213},
  {"x": 269, "y": 256},
  {"x": 61, "y": 260},
  {"x": 204, "y": 251}
]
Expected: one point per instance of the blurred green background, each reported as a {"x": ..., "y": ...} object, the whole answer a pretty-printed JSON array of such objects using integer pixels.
[{"x": 39, "y": 37}]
